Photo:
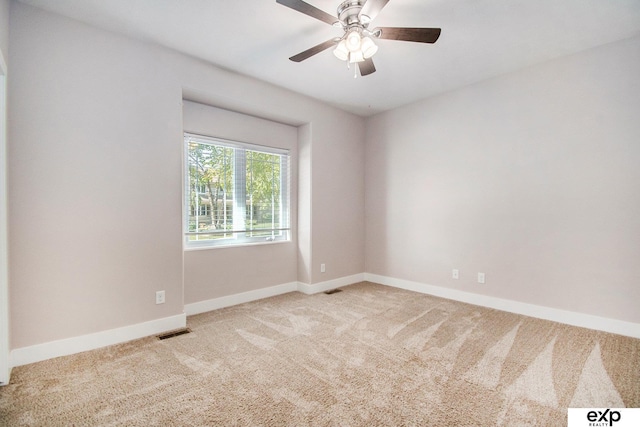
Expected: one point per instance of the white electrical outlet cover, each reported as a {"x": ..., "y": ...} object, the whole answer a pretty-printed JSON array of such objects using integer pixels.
[{"x": 160, "y": 297}]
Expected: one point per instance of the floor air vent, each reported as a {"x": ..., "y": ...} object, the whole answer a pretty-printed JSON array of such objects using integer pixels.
[
  {"x": 333, "y": 291},
  {"x": 174, "y": 333}
]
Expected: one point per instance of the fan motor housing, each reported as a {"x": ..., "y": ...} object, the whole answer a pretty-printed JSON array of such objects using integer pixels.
[{"x": 348, "y": 12}]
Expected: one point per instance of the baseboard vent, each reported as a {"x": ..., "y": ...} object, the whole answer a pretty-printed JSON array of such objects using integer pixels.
[
  {"x": 332, "y": 291},
  {"x": 174, "y": 333}
]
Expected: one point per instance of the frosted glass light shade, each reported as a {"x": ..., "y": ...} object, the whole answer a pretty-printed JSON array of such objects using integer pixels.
[
  {"x": 356, "y": 56},
  {"x": 341, "y": 52},
  {"x": 353, "y": 41},
  {"x": 369, "y": 48}
]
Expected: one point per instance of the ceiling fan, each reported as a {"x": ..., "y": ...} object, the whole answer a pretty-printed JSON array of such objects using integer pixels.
[{"x": 357, "y": 46}]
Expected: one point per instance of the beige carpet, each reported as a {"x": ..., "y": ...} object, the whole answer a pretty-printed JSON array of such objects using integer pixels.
[{"x": 370, "y": 355}]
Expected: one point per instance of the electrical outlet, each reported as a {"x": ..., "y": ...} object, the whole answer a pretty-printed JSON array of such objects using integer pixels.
[
  {"x": 160, "y": 297},
  {"x": 480, "y": 277},
  {"x": 455, "y": 273},
  {"x": 322, "y": 268}
]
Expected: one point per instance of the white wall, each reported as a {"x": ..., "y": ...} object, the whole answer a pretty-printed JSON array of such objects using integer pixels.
[
  {"x": 532, "y": 178},
  {"x": 95, "y": 181}
]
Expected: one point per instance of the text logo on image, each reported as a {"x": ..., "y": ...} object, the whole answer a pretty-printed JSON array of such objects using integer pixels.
[{"x": 603, "y": 417}]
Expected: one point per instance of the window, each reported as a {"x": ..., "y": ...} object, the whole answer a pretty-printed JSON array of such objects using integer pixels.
[{"x": 235, "y": 193}]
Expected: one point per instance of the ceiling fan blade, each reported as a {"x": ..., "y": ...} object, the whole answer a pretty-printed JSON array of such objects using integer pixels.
[
  {"x": 314, "y": 50},
  {"x": 371, "y": 8},
  {"x": 421, "y": 35},
  {"x": 366, "y": 67},
  {"x": 307, "y": 9}
]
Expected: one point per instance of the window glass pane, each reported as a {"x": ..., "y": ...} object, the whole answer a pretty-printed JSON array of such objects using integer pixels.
[
  {"x": 263, "y": 194},
  {"x": 234, "y": 194},
  {"x": 210, "y": 197}
]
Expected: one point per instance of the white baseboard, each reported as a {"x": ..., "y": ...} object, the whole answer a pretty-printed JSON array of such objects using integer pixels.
[
  {"x": 315, "y": 288},
  {"x": 561, "y": 316},
  {"x": 39, "y": 352},
  {"x": 65, "y": 347},
  {"x": 241, "y": 298}
]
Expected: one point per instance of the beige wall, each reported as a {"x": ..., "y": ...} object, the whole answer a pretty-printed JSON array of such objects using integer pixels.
[
  {"x": 4, "y": 262},
  {"x": 338, "y": 191},
  {"x": 304, "y": 216},
  {"x": 532, "y": 178},
  {"x": 95, "y": 179},
  {"x": 4, "y": 28}
]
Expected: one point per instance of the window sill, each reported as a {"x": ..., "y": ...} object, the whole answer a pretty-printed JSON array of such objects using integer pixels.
[{"x": 242, "y": 245}]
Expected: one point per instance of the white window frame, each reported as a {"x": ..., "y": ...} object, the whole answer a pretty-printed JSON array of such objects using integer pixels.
[{"x": 281, "y": 233}]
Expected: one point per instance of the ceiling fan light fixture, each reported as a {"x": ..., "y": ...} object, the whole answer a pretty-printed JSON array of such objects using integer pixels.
[
  {"x": 368, "y": 47},
  {"x": 357, "y": 42},
  {"x": 341, "y": 52}
]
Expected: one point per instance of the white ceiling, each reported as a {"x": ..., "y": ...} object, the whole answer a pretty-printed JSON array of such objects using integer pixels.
[{"x": 480, "y": 39}]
